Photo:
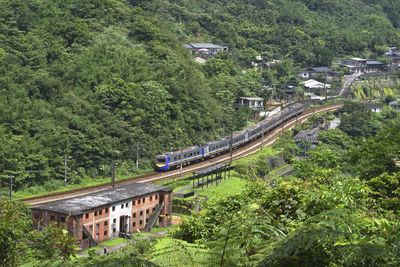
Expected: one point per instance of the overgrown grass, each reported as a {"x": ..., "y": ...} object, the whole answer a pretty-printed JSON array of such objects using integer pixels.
[
  {"x": 161, "y": 229},
  {"x": 113, "y": 242},
  {"x": 230, "y": 186}
]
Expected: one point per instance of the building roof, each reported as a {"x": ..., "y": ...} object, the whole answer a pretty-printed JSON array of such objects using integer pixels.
[
  {"x": 252, "y": 98},
  {"x": 310, "y": 136},
  {"x": 204, "y": 45},
  {"x": 373, "y": 62},
  {"x": 212, "y": 168},
  {"x": 315, "y": 84},
  {"x": 319, "y": 69},
  {"x": 78, "y": 205},
  {"x": 358, "y": 59}
]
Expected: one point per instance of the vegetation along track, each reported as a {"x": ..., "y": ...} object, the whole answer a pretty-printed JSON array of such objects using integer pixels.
[{"x": 159, "y": 176}]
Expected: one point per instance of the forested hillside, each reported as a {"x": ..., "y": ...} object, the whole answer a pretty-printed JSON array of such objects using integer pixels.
[
  {"x": 311, "y": 32},
  {"x": 91, "y": 79}
]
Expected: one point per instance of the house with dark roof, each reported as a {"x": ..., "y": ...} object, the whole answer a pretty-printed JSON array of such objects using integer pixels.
[
  {"x": 356, "y": 65},
  {"x": 205, "y": 48},
  {"x": 315, "y": 72},
  {"x": 98, "y": 216},
  {"x": 374, "y": 66}
]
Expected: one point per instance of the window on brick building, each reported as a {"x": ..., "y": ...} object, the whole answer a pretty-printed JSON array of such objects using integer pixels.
[
  {"x": 106, "y": 210},
  {"x": 36, "y": 215},
  {"x": 105, "y": 223},
  {"x": 147, "y": 220},
  {"x": 134, "y": 215},
  {"x": 97, "y": 236},
  {"x": 133, "y": 203},
  {"x": 95, "y": 213},
  {"x": 90, "y": 228},
  {"x": 140, "y": 222},
  {"x": 134, "y": 224},
  {"x": 113, "y": 208},
  {"x": 115, "y": 220},
  {"x": 97, "y": 226},
  {"x": 122, "y": 206},
  {"x": 151, "y": 198},
  {"x": 87, "y": 215},
  {"x": 100, "y": 212},
  {"x": 52, "y": 218},
  {"x": 62, "y": 219},
  {"x": 147, "y": 211},
  {"x": 156, "y": 197},
  {"x": 138, "y": 201},
  {"x": 144, "y": 200},
  {"x": 141, "y": 213},
  {"x": 114, "y": 230},
  {"x": 105, "y": 233}
]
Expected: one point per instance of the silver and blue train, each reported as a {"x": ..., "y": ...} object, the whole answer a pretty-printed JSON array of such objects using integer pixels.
[{"x": 170, "y": 160}]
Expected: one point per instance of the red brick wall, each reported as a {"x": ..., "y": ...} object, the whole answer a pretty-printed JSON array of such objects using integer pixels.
[
  {"x": 146, "y": 208},
  {"x": 97, "y": 224}
]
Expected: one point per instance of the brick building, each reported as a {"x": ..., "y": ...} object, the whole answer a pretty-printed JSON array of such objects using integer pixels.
[{"x": 101, "y": 215}]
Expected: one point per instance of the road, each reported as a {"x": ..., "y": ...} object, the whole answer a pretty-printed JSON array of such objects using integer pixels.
[{"x": 347, "y": 81}]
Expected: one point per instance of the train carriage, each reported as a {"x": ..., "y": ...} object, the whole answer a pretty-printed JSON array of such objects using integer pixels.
[{"x": 170, "y": 160}]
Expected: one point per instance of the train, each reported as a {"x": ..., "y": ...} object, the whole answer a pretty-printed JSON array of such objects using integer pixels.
[{"x": 170, "y": 160}]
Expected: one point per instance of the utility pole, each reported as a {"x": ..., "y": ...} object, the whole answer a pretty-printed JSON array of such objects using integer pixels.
[
  {"x": 180, "y": 173},
  {"x": 262, "y": 140},
  {"x": 325, "y": 90},
  {"x": 112, "y": 173},
  {"x": 230, "y": 147},
  {"x": 11, "y": 186},
  {"x": 65, "y": 169},
  {"x": 137, "y": 156}
]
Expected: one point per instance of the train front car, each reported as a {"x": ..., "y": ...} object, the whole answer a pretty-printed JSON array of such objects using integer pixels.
[{"x": 162, "y": 163}]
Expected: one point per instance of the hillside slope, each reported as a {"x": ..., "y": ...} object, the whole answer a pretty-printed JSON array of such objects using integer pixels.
[{"x": 91, "y": 79}]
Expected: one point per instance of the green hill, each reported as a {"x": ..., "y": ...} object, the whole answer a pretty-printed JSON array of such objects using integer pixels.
[{"x": 91, "y": 79}]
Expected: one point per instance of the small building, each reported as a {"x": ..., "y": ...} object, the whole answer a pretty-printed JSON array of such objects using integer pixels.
[
  {"x": 356, "y": 65},
  {"x": 394, "y": 105},
  {"x": 308, "y": 136},
  {"x": 373, "y": 107},
  {"x": 290, "y": 91},
  {"x": 393, "y": 54},
  {"x": 313, "y": 84},
  {"x": 108, "y": 213},
  {"x": 315, "y": 72},
  {"x": 373, "y": 66},
  {"x": 206, "y": 48},
  {"x": 255, "y": 103}
]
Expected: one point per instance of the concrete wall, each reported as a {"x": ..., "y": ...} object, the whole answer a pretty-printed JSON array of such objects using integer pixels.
[{"x": 118, "y": 209}]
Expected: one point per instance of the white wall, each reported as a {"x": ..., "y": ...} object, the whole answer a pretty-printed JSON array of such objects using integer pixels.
[{"x": 116, "y": 215}]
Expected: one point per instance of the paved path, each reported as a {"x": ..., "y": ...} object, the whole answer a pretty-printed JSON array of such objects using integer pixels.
[{"x": 347, "y": 81}]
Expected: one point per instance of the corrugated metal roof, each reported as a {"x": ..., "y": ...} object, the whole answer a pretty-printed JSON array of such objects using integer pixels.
[
  {"x": 212, "y": 168},
  {"x": 206, "y": 45},
  {"x": 78, "y": 205}
]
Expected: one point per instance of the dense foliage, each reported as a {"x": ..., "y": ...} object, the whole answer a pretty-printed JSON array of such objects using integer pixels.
[{"x": 90, "y": 80}]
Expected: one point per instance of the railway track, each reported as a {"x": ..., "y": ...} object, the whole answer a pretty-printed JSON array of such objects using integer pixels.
[{"x": 153, "y": 177}]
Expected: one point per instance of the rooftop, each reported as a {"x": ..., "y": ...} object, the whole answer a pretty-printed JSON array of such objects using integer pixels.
[
  {"x": 319, "y": 69},
  {"x": 213, "y": 168},
  {"x": 358, "y": 59},
  {"x": 373, "y": 62},
  {"x": 78, "y": 205},
  {"x": 310, "y": 136},
  {"x": 252, "y": 98},
  {"x": 203, "y": 45}
]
